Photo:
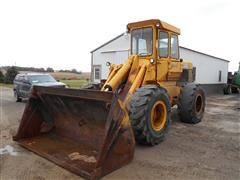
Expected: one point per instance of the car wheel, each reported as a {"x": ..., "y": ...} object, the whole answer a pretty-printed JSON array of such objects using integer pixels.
[{"x": 18, "y": 98}]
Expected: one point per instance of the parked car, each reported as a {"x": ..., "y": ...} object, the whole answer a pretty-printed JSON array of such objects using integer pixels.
[{"x": 23, "y": 84}]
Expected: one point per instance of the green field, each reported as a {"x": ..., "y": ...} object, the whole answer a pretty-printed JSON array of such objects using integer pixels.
[
  {"x": 73, "y": 80},
  {"x": 71, "y": 83},
  {"x": 75, "y": 83}
]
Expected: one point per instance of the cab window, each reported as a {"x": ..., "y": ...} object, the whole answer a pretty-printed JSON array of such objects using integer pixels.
[
  {"x": 20, "y": 78},
  {"x": 163, "y": 44},
  {"x": 17, "y": 78},
  {"x": 142, "y": 41},
  {"x": 174, "y": 47}
]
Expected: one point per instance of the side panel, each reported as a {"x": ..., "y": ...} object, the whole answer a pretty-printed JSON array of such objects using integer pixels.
[
  {"x": 162, "y": 69},
  {"x": 207, "y": 68}
]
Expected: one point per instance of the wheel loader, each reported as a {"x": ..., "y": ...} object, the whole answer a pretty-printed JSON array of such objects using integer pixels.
[{"x": 92, "y": 132}]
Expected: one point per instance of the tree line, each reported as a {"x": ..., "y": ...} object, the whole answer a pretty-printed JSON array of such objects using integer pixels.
[
  {"x": 9, "y": 76},
  {"x": 33, "y": 69},
  {"x": 12, "y": 71}
]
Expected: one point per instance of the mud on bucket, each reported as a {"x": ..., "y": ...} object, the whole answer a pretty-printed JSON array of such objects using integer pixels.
[{"x": 80, "y": 130}]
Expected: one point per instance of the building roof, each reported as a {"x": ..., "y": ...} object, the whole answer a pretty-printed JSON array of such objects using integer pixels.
[
  {"x": 108, "y": 42},
  {"x": 204, "y": 54}
]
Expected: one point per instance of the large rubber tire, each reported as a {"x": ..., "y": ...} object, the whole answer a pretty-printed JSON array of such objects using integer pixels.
[
  {"x": 18, "y": 99},
  {"x": 227, "y": 89},
  {"x": 149, "y": 111},
  {"x": 191, "y": 103}
]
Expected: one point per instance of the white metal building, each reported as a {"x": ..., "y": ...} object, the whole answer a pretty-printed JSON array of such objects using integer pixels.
[{"x": 211, "y": 71}]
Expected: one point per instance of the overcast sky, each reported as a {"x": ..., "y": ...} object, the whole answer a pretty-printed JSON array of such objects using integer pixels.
[{"x": 61, "y": 34}]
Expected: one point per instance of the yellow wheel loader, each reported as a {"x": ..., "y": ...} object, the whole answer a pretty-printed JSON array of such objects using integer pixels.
[{"x": 92, "y": 132}]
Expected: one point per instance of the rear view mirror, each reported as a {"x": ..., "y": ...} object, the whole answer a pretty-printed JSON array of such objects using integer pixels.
[{"x": 26, "y": 81}]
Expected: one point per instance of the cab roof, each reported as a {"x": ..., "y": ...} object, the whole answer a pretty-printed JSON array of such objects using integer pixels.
[{"x": 154, "y": 22}]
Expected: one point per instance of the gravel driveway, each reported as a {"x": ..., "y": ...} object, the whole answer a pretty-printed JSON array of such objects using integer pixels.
[{"x": 208, "y": 150}]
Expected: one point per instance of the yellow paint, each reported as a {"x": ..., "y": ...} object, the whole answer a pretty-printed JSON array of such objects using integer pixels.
[
  {"x": 162, "y": 69},
  {"x": 125, "y": 121},
  {"x": 138, "y": 80},
  {"x": 152, "y": 69},
  {"x": 154, "y": 22},
  {"x": 158, "y": 116},
  {"x": 119, "y": 76},
  {"x": 150, "y": 74}
]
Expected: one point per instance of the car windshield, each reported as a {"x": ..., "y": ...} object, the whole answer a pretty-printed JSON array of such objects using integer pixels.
[
  {"x": 41, "y": 78},
  {"x": 142, "y": 41}
]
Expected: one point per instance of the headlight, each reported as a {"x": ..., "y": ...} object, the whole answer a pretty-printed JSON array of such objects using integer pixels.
[{"x": 151, "y": 61}]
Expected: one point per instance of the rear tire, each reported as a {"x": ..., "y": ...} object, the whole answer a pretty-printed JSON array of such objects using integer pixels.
[
  {"x": 149, "y": 111},
  {"x": 18, "y": 99},
  {"x": 191, "y": 103},
  {"x": 227, "y": 89}
]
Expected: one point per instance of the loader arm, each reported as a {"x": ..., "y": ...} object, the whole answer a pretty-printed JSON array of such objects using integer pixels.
[{"x": 126, "y": 78}]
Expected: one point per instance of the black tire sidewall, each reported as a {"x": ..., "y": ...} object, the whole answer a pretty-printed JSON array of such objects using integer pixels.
[
  {"x": 18, "y": 99},
  {"x": 229, "y": 90},
  {"x": 187, "y": 103},
  {"x": 140, "y": 109}
]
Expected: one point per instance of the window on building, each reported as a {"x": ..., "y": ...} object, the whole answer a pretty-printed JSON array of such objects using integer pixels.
[
  {"x": 97, "y": 73},
  {"x": 174, "y": 47},
  {"x": 163, "y": 44},
  {"x": 219, "y": 76}
]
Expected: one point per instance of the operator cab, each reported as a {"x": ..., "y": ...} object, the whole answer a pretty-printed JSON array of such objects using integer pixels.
[{"x": 154, "y": 39}]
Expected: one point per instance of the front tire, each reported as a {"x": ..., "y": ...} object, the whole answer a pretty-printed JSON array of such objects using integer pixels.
[
  {"x": 227, "y": 89},
  {"x": 191, "y": 103},
  {"x": 149, "y": 113},
  {"x": 18, "y": 99}
]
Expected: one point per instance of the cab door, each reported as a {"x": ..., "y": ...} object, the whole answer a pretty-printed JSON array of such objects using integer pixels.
[
  {"x": 163, "y": 55},
  {"x": 174, "y": 68}
]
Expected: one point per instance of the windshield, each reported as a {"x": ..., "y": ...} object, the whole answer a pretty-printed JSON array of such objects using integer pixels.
[
  {"x": 41, "y": 78},
  {"x": 142, "y": 41}
]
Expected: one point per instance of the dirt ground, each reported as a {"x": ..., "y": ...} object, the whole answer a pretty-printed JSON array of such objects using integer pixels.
[{"x": 208, "y": 150}]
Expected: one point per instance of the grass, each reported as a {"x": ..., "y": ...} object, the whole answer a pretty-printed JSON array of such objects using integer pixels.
[
  {"x": 75, "y": 83},
  {"x": 6, "y": 85},
  {"x": 67, "y": 75},
  {"x": 72, "y": 76},
  {"x": 73, "y": 80},
  {"x": 71, "y": 83}
]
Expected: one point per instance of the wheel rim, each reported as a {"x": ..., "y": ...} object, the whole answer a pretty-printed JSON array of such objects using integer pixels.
[
  {"x": 158, "y": 115},
  {"x": 199, "y": 104}
]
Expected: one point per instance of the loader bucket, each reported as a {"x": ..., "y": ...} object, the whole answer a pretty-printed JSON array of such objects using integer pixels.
[{"x": 80, "y": 130}]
